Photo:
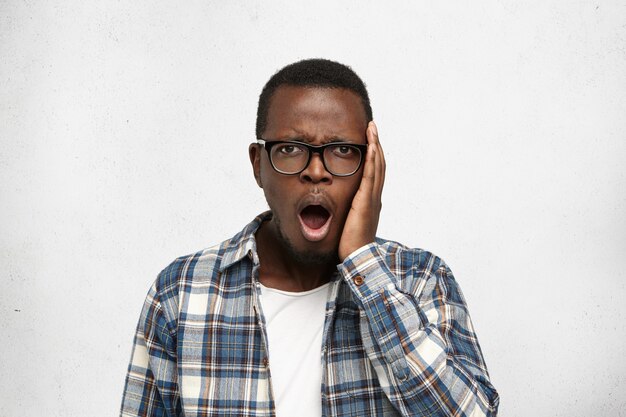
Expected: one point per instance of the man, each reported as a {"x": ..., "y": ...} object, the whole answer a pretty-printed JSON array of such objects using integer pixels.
[{"x": 305, "y": 312}]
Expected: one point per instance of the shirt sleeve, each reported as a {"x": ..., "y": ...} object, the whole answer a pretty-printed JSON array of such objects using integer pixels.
[
  {"x": 421, "y": 340},
  {"x": 151, "y": 387}
]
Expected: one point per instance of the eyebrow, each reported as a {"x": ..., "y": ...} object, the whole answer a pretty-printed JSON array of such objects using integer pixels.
[{"x": 333, "y": 139}]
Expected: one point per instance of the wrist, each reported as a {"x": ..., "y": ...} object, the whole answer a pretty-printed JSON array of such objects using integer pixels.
[
  {"x": 366, "y": 272},
  {"x": 352, "y": 248}
]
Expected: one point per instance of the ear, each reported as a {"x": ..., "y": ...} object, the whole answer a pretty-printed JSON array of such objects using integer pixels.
[{"x": 254, "y": 151}]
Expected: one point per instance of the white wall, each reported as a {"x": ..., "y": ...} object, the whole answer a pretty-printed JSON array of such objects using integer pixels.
[{"x": 124, "y": 129}]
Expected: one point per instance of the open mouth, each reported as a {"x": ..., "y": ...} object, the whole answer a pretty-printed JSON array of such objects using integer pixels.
[{"x": 314, "y": 222}]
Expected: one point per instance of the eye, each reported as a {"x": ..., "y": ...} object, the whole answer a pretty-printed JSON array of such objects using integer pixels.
[
  {"x": 343, "y": 151},
  {"x": 288, "y": 149}
]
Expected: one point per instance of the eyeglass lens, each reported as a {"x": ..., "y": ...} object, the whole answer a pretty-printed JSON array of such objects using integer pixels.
[{"x": 340, "y": 159}]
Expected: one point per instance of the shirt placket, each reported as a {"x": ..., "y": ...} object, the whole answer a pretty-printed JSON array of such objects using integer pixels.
[
  {"x": 260, "y": 320},
  {"x": 326, "y": 371}
]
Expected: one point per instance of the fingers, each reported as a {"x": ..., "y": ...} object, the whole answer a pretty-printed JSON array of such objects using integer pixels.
[
  {"x": 378, "y": 160},
  {"x": 369, "y": 171}
]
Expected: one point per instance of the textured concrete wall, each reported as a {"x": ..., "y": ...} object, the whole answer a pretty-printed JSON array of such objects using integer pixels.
[{"x": 124, "y": 129}]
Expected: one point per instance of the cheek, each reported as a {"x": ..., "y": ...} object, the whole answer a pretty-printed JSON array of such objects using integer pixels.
[
  {"x": 354, "y": 183},
  {"x": 276, "y": 189},
  {"x": 267, "y": 179},
  {"x": 349, "y": 191},
  {"x": 272, "y": 194}
]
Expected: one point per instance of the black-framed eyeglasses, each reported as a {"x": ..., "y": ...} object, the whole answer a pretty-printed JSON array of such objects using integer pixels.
[{"x": 341, "y": 159}]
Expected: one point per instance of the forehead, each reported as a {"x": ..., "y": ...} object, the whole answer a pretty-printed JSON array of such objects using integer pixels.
[{"x": 316, "y": 113}]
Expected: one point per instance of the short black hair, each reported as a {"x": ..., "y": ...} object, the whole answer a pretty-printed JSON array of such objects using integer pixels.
[{"x": 321, "y": 73}]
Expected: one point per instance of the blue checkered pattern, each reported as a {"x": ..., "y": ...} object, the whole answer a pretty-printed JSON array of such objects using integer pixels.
[{"x": 398, "y": 340}]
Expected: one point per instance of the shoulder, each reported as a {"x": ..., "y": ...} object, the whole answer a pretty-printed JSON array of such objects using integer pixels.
[
  {"x": 194, "y": 267},
  {"x": 182, "y": 274},
  {"x": 201, "y": 268}
]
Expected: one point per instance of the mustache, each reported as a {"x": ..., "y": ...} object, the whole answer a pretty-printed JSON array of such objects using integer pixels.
[{"x": 316, "y": 197}]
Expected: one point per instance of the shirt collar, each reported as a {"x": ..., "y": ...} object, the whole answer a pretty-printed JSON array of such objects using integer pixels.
[{"x": 243, "y": 243}]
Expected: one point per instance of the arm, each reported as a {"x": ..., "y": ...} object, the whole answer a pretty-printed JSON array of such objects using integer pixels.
[
  {"x": 423, "y": 345},
  {"x": 422, "y": 342},
  {"x": 151, "y": 387}
]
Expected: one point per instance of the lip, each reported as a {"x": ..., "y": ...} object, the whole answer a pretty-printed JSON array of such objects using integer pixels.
[{"x": 315, "y": 235}]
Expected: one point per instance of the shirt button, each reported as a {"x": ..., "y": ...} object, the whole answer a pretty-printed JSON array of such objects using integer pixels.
[
  {"x": 358, "y": 280},
  {"x": 265, "y": 362}
]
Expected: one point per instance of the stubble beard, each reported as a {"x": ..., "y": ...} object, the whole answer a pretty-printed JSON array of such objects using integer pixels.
[{"x": 306, "y": 258}]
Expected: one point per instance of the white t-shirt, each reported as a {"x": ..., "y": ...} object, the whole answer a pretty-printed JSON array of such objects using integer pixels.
[{"x": 295, "y": 323}]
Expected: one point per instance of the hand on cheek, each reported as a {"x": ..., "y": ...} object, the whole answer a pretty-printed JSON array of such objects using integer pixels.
[{"x": 362, "y": 221}]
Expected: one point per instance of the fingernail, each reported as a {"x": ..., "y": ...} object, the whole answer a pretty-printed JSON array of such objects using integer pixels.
[{"x": 374, "y": 129}]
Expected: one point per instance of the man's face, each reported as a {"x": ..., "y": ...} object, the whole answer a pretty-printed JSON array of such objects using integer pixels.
[{"x": 310, "y": 208}]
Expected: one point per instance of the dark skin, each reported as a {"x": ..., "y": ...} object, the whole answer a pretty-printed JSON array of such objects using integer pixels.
[{"x": 290, "y": 260}]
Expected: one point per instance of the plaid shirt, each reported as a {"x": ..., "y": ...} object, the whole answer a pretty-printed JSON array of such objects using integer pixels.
[{"x": 397, "y": 341}]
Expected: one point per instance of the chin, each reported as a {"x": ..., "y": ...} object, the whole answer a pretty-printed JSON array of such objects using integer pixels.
[
  {"x": 315, "y": 258},
  {"x": 310, "y": 253}
]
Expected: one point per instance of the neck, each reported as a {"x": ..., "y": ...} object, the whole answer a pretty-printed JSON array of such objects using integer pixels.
[{"x": 282, "y": 270}]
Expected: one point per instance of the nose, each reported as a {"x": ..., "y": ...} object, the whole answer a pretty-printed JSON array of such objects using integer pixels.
[{"x": 315, "y": 171}]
